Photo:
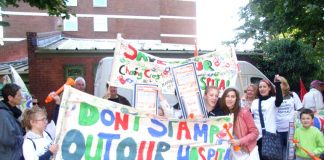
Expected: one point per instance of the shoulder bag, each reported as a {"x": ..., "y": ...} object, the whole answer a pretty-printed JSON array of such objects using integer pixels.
[{"x": 271, "y": 144}]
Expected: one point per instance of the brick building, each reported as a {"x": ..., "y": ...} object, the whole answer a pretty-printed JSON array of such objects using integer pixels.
[
  {"x": 56, "y": 48},
  {"x": 167, "y": 21}
]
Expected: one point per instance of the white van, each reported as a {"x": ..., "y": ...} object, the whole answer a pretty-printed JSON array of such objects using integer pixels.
[{"x": 249, "y": 74}]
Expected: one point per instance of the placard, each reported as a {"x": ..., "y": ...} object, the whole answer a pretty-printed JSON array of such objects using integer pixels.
[
  {"x": 188, "y": 90},
  {"x": 146, "y": 98}
]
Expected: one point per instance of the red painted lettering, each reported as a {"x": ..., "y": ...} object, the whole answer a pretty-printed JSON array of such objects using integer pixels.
[
  {"x": 221, "y": 85},
  {"x": 183, "y": 127},
  {"x": 122, "y": 122},
  {"x": 133, "y": 55},
  {"x": 200, "y": 151},
  {"x": 146, "y": 73},
  {"x": 199, "y": 66}
]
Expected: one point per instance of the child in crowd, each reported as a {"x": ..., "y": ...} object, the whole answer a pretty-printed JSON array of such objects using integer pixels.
[
  {"x": 38, "y": 143},
  {"x": 308, "y": 137}
]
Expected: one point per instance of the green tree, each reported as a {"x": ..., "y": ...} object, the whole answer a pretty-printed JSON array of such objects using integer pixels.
[
  {"x": 54, "y": 7},
  {"x": 300, "y": 21},
  {"x": 266, "y": 20},
  {"x": 290, "y": 59}
]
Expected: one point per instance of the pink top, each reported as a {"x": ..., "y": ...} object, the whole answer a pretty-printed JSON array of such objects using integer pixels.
[{"x": 245, "y": 130}]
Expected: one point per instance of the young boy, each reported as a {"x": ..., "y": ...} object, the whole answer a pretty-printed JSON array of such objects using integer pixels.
[{"x": 308, "y": 136}]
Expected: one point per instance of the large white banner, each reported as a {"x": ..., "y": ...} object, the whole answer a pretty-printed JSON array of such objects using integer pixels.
[
  {"x": 93, "y": 128},
  {"x": 132, "y": 66}
]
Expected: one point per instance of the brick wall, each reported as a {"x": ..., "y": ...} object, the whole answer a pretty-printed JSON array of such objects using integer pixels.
[
  {"x": 13, "y": 51},
  {"x": 46, "y": 72},
  {"x": 129, "y": 27}
]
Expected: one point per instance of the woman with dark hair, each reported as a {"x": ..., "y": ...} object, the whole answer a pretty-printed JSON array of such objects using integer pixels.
[
  {"x": 268, "y": 100},
  {"x": 245, "y": 131}
]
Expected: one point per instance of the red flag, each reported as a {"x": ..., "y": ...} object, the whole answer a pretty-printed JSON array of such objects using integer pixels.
[
  {"x": 196, "y": 50},
  {"x": 303, "y": 90}
]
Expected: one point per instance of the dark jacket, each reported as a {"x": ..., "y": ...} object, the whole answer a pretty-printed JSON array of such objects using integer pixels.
[
  {"x": 120, "y": 99},
  {"x": 217, "y": 111},
  {"x": 11, "y": 135}
]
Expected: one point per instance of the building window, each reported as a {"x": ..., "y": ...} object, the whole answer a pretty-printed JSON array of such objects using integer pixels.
[
  {"x": 99, "y": 3},
  {"x": 70, "y": 24},
  {"x": 71, "y": 2},
  {"x": 100, "y": 24},
  {"x": 73, "y": 71}
]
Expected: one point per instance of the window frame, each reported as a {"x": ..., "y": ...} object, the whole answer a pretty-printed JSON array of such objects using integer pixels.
[
  {"x": 71, "y": 21},
  {"x": 100, "y": 27}
]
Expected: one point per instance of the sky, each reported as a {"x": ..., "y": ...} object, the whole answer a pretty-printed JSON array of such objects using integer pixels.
[{"x": 216, "y": 22}]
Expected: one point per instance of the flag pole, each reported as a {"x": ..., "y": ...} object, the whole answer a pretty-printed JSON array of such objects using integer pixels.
[{"x": 196, "y": 50}]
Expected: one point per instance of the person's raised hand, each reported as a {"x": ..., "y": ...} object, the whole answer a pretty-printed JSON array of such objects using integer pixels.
[{"x": 56, "y": 98}]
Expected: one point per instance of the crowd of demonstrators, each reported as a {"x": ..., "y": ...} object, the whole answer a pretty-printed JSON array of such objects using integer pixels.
[
  {"x": 313, "y": 99},
  {"x": 250, "y": 94},
  {"x": 245, "y": 131},
  {"x": 286, "y": 112},
  {"x": 268, "y": 101},
  {"x": 11, "y": 135},
  {"x": 308, "y": 137},
  {"x": 277, "y": 106}
]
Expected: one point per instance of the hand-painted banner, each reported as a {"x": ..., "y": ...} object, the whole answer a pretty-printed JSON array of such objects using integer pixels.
[
  {"x": 132, "y": 66},
  {"x": 93, "y": 128}
]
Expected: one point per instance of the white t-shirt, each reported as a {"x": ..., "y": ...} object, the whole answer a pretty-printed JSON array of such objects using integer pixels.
[
  {"x": 42, "y": 145},
  {"x": 286, "y": 112},
  {"x": 312, "y": 99},
  {"x": 269, "y": 111}
]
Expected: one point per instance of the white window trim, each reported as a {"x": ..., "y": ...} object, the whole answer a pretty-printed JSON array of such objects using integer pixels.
[{"x": 100, "y": 24}]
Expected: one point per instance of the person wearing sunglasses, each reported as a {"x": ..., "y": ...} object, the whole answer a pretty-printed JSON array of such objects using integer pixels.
[{"x": 35, "y": 101}]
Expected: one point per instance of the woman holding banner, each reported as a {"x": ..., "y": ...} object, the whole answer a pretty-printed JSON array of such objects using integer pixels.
[{"x": 245, "y": 131}]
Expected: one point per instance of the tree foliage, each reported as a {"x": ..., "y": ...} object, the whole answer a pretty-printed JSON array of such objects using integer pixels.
[
  {"x": 290, "y": 59},
  {"x": 54, "y": 7},
  {"x": 266, "y": 20},
  {"x": 291, "y": 34}
]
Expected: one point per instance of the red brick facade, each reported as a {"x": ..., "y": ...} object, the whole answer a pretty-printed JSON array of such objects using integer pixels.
[
  {"x": 150, "y": 20},
  {"x": 13, "y": 51}
]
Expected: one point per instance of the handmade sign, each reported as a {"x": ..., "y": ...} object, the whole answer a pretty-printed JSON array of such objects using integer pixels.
[
  {"x": 146, "y": 98},
  {"x": 93, "y": 128},
  {"x": 190, "y": 98},
  {"x": 132, "y": 66}
]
